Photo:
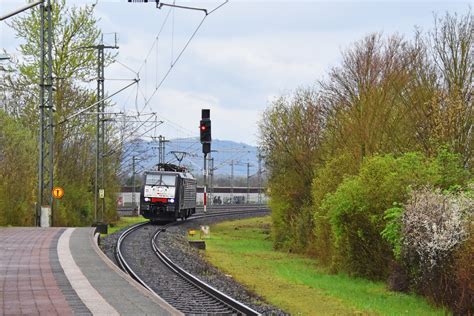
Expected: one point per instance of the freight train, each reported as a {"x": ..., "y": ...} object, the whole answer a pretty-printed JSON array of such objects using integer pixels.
[{"x": 168, "y": 194}]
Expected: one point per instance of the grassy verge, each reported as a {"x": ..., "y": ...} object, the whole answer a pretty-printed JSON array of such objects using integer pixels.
[
  {"x": 124, "y": 222},
  {"x": 243, "y": 249}
]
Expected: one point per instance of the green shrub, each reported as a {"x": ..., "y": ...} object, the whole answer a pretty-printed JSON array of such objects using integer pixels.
[
  {"x": 18, "y": 180},
  {"x": 326, "y": 181},
  {"x": 280, "y": 232},
  {"x": 302, "y": 227},
  {"x": 444, "y": 171},
  {"x": 357, "y": 211},
  {"x": 393, "y": 229},
  {"x": 358, "y": 248},
  {"x": 292, "y": 226},
  {"x": 452, "y": 174}
]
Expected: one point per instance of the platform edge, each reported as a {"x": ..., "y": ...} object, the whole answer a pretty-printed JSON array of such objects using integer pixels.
[{"x": 94, "y": 240}]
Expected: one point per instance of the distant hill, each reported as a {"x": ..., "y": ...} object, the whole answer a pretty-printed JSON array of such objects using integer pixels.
[{"x": 223, "y": 152}]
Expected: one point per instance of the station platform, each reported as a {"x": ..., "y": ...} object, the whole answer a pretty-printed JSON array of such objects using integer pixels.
[{"x": 62, "y": 271}]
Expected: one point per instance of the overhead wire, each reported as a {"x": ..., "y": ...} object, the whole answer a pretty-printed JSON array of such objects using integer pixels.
[
  {"x": 218, "y": 7},
  {"x": 131, "y": 149},
  {"x": 173, "y": 62},
  {"x": 172, "y": 33},
  {"x": 156, "y": 39},
  {"x": 131, "y": 134},
  {"x": 127, "y": 159},
  {"x": 126, "y": 67}
]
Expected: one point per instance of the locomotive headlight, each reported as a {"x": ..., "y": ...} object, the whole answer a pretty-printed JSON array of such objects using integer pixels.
[
  {"x": 170, "y": 200},
  {"x": 147, "y": 199}
]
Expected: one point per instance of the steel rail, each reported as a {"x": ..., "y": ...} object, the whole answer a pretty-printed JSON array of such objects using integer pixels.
[
  {"x": 208, "y": 289},
  {"x": 121, "y": 260},
  {"x": 238, "y": 306}
]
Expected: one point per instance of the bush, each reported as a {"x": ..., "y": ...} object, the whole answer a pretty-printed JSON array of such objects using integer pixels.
[
  {"x": 280, "y": 232},
  {"x": 326, "y": 181},
  {"x": 437, "y": 236},
  {"x": 357, "y": 211},
  {"x": 393, "y": 229},
  {"x": 292, "y": 226},
  {"x": 434, "y": 225},
  {"x": 461, "y": 291},
  {"x": 301, "y": 226},
  {"x": 18, "y": 180},
  {"x": 452, "y": 173},
  {"x": 358, "y": 247}
]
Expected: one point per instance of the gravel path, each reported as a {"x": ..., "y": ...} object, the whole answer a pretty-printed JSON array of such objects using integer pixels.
[{"x": 174, "y": 244}]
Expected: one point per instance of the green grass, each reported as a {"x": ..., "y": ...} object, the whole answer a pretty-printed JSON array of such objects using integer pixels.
[
  {"x": 295, "y": 283},
  {"x": 124, "y": 222}
]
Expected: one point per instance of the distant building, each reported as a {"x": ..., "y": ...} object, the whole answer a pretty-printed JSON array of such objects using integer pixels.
[
  {"x": 127, "y": 200},
  {"x": 236, "y": 195}
]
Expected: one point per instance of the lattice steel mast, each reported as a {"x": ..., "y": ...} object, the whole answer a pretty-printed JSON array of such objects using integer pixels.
[
  {"x": 46, "y": 135},
  {"x": 100, "y": 133}
]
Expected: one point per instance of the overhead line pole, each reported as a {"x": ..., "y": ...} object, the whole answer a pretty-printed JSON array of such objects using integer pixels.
[
  {"x": 161, "y": 148},
  {"x": 211, "y": 178},
  {"x": 134, "y": 204},
  {"x": 100, "y": 133},
  {"x": 232, "y": 182},
  {"x": 46, "y": 136},
  {"x": 205, "y": 183},
  {"x": 248, "y": 182},
  {"x": 259, "y": 178},
  {"x": 46, "y": 132}
]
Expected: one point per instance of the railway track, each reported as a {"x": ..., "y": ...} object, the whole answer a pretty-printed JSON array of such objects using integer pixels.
[
  {"x": 210, "y": 209},
  {"x": 178, "y": 287}
]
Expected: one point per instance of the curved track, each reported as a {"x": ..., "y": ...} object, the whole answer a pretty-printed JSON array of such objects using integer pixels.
[{"x": 175, "y": 285}]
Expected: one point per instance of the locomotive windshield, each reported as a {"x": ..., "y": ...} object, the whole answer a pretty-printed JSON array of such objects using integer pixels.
[{"x": 160, "y": 179}]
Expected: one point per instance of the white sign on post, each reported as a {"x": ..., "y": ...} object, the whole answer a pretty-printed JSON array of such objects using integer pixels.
[{"x": 101, "y": 193}]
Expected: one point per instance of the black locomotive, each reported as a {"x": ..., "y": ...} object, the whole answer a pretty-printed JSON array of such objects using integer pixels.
[{"x": 168, "y": 194}]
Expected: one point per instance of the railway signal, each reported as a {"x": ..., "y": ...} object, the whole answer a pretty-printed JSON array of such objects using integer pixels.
[
  {"x": 205, "y": 133},
  {"x": 205, "y": 128}
]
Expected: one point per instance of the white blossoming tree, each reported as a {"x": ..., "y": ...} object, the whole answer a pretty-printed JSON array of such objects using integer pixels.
[{"x": 434, "y": 225}]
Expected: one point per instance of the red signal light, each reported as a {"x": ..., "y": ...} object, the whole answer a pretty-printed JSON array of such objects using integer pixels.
[{"x": 205, "y": 130}]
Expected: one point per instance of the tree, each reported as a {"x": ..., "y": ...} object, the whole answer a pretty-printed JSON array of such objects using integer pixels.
[
  {"x": 361, "y": 98},
  {"x": 75, "y": 32},
  {"x": 439, "y": 94},
  {"x": 291, "y": 132},
  {"x": 17, "y": 172},
  {"x": 453, "y": 54}
]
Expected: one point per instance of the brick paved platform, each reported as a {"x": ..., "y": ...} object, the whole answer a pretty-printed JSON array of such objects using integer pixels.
[
  {"x": 59, "y": 271},
  {"x": 27, "y": 281}
]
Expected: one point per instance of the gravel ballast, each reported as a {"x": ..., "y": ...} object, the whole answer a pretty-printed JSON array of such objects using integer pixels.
[{"x": 174, "y": 243}]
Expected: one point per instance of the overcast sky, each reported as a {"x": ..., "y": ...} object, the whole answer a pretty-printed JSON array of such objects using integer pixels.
[{"x": 244, "y": 55}]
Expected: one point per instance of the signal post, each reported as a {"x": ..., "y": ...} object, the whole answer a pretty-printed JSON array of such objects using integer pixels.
[{"x": 205, "y": 137}]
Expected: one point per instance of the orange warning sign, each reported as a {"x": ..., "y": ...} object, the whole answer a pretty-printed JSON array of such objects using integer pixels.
[{"x": 58, "y": 192}]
